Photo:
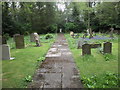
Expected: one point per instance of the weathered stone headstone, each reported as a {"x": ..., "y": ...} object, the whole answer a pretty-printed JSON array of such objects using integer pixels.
[
  {"x": 111, "y": 32},
  {"x": 15, "y": 35},
  {"x": 5, "y": 52},
  {"x": 32, "y": 39},
  {"x": 90, "y": 33},
  {"x": 4, "y": 41},
  {"x": 72, "y": 33},
  {"x": 36, "y": 37},
  {"x": 19, "y": 41},
  {"x": 86, "y": 49},
  {"x": 107, "y": 47}
]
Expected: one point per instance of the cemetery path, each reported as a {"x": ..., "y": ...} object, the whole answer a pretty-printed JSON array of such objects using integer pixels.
[{"x": 58, "y": 70}]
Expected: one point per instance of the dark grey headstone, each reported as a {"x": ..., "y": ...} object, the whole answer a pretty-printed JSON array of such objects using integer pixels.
[
  {"x": 107, "y": 47},
  {"x": 86, "y": 49},
  {"x": 19, "y": 41},
  {"x": 15, "y": 35}
]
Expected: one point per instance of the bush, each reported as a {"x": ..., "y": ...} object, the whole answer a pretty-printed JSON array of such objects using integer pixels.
[
  {"x": 6, "y": 36},
  {"x": 106, "y": 80},
  {"x": 48, "y": 36}
]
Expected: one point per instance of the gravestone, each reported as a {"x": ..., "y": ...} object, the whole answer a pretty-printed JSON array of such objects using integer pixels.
[
  {"x": 72, "y": 33},
  {"x": 15, "y": 35},
  {"x": 90, "y": 33},
  {"x": 36, "y": 37},
  {"x": 86, "y": 49},
  {"x": 107, "y": 47},
  {"x": 32, "y": 39},
  {"x": 60, "y": 30},
  {"x": 19, "y": 41},
  {"x": 111, "y": 32},
  {"x": 6, "y": 52}
]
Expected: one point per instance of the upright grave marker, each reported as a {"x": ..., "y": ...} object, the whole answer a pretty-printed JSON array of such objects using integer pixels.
[
  {"x": 19, "y": 41},
  {"x": 36, "y": 36},
  {"x": 32, "y": 39},
  {"x": 5, "y": 52},
  {"x": 86, "y": 49},
  {"x": 15, "y": 35},
  {"x": 4, "y": 41},
  {"x": 5, "y": 49},
  {"x": 111, "y": 32},
  {"x": 90, "y": 33},
  {"x": 107, "y": 47},
  {"x": 72, "y": 33}
]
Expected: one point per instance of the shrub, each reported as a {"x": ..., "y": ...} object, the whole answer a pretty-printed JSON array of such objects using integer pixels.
[
  {"x": 106, "y": 80},
  {"x": 28, "y": 78},
  {"x": 48, "y": 36},
  {"x": 6, "y": 36}
]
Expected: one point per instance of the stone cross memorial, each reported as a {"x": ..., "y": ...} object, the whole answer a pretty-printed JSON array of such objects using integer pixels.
[
  {"x": 19, "y": 41},
  {"x": 86, "y": 49},
  {"x": 107, "y": 47}
]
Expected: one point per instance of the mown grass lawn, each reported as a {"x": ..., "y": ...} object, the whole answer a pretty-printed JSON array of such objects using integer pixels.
[
  {"x": 25, "y": 63},
  {"x": 96, "y": 70}
]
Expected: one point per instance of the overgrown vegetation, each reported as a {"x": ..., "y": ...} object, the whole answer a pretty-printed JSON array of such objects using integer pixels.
[
  {"x": 96, "y": 70},
  {"x": 106, "y": 80}
]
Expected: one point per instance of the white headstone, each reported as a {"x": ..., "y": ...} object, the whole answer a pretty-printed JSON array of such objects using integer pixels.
[
  {"x": 5, "y": 52},
  {"x": 60, "y": 30},
  {"x": 32, "y": 37}
]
